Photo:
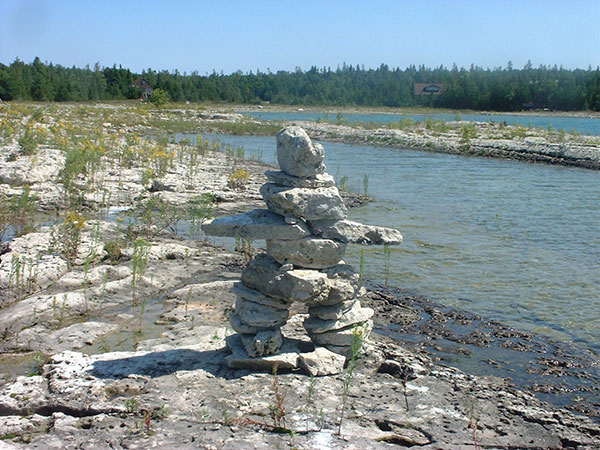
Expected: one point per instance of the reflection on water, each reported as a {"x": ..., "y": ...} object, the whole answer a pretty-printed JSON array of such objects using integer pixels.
[{"x": 511, "y": 241}]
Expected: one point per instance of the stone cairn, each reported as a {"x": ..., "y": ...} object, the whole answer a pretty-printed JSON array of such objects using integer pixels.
[{"x": 306, "y": 233}]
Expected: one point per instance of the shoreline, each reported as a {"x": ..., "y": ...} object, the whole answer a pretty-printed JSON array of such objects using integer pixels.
[
  {"x": 124, "y": 360},
  {"x": 424, "y": 111},
  {"x": 492, "y": 140}
]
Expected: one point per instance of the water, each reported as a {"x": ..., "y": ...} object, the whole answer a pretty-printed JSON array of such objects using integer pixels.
[
  {"x": 511, "y": 241},
  {"x": 584, "y": 125}
]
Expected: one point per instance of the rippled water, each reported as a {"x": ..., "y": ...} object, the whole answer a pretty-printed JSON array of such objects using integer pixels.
[
  {"x": 511, "y": 241},
  {"x": 584, "y": 125}
]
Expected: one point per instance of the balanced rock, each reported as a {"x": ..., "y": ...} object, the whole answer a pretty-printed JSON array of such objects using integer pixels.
[
  {"x": 264, "y": 274},
  {"x": 297, "y": 155},
  {"x": 344, "y": 337},
  {"x": 332, "y": 312},
  {"x": 263, "y": 343},
  {"x": 256, "y": 224},
  {"x": 260, "y": 316},
  {"x": 314, "y": 325},
  {"x": 308, "y": 252},
  {"x": 285, "y": 359},
  {"x": 255, "y": 296},
  {"x": 355, "y": 233},
  {"x": 305, "y": 203},
  {"x": 285, "y": 179},
  {"x": 240, "y": 327}
]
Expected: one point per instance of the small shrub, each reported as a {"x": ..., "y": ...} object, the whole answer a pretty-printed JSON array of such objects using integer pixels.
[
  {"x": 152, "y": 216},
  {"x": 467, "y": 132},
  {"x": 159, "y": 97},
  {"x": 238, "y": 179},
  {"x": 28, "y": 142},
  {"x": 67, "y": 237},
  {"x": 17, "y": 212},
  {"x": 113, "y": 251},
  {"x": 200, "y": 208}
]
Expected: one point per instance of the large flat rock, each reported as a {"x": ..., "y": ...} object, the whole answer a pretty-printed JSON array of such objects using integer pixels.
[
  {"x": 258, "y": 297},
  {"x": 255, "y": 224},
  {"x": 355, "y": 315},
  {"x": 344, "y": 337},
  {"x": 285, "y": 179},
  {"x": 265, "y": 275},
  {"x": 305, "y": 203},
  {"x": 285, "y": 359},
  {"x": 258, "y": 315},
  {"x": 308, "y": 252},
  {"x": 355, "y": 232}
]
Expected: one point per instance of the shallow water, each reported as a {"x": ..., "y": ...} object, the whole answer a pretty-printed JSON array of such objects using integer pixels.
[
  {"x": 512, "y": 241},
  {"x": 584, "y": 125}
]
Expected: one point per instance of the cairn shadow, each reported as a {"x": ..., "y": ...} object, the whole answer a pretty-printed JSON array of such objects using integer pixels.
[{"x": 160, "y": 363}]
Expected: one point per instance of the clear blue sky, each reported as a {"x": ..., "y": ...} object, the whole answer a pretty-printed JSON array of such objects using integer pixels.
[{"x": 230, "y": 35}]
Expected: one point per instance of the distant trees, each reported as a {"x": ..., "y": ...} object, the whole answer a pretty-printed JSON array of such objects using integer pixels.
[{"x": 497, "y": 89}]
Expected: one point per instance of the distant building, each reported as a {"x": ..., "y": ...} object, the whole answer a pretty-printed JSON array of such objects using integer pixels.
[
  {"x": 429, "y": 88},
  {"x": 144, "y": 86}
]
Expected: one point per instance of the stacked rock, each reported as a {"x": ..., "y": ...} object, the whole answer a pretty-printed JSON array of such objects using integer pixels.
[{"x": 306, "y": 233}]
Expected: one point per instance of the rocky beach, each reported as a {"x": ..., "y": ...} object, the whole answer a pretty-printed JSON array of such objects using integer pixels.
[{"x": 115, "y": 308}]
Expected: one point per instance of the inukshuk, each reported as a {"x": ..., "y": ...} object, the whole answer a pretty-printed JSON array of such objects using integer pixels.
[{"x": 306, "y": 233}]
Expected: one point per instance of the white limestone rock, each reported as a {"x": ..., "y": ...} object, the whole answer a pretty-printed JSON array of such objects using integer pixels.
[
  {"x": 355, "y": 232},
  {"x": 344, "y": 337},
  {"x": 260, "y": 316},
  {"x": 297, "y": 155},
  {"x": 305, "y": 203},
  {"x": 311, "y": 253},
  {"x": 256, "y": 224},
  {"x": 357, "y": 314},
  {"x": 332, "y": 312},
  {"x": 263, "y": 343},
  {"x": 255, "y": 296},
  {"x": 285, "y": 179},
  {"x": 321, "y": 362},
  {"x": 285, "y": 359},
  {"x": 240, "y": 327},
  {"x": 267, "y": 276}
]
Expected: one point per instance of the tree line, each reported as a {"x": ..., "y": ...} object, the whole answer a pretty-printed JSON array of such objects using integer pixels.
[{"x": 498, "y": 89}]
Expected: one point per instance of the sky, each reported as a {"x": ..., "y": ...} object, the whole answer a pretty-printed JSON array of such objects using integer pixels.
[{"x": 231, "y": 35}]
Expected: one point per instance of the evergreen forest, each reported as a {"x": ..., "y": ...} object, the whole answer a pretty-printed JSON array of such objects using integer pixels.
[{"x": 497, "y": 89}]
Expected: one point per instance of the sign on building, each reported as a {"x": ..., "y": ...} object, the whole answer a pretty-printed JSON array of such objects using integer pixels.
[{"x": 428, "y": 88}]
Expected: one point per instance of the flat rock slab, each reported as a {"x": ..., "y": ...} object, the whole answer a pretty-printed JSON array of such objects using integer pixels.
[
  {"x": 285, "y": 179},
  {"x": 309, "y": 253},
  {"x": 259, "y": 316},
  {"x": 305, "y": 203},
  {"x": 286, "y": 359},
  {"x": 355, "y": 315},
  {"x": 255, "y": 224},
  {"x": 322, "y": 362},
  {"x": 264, "y": 274},
  {"x": 255, "y": 296},
  {"x": 344, "y": 337},
  {"x": 355, "y": 232}
]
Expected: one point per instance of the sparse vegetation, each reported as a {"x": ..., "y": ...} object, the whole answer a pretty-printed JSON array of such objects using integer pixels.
[{"x": 360, "y": 335}]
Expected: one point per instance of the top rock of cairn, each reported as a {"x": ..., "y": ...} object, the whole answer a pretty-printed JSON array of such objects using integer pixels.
[{"x": 297, "y": 155}]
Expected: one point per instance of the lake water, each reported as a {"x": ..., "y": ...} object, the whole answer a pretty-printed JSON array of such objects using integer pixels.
[
  {"x": 584, "y": 125},
  {"x": 511, "y": 241}
]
